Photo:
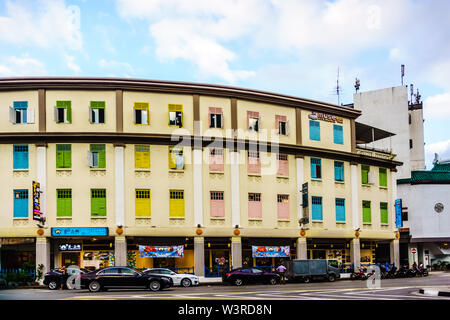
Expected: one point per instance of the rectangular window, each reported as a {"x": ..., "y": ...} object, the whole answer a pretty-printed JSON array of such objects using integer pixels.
[
  {"x": 142, "y": 157},
  {"x": 142, "y": 202},
  {"x": 216, "y": 160},
  {"x": 383, "y": 177},
  {"x": 176, "y": 158},
  {"x": 316, "y": 168},
  {"x": 19, "y": 113},
  {"x": 340, "y": 210},
  {"x": 63, "y": 156},
  {"x": 254, "y": 205},
  {"x": 338, "y": 171},
  {"x": 253, "y": 121},
  {"x": 176, "y": 115},
  {"x": 217, "y": 204},
  {"x": 410, "y": 143},
  {"x": 20, "y": 203},
  {"x": 281, "y": 125},
  {"x": 282, "y": 165},
  {"x": 384, "y": 213},
  {"x": 316, "y": 207},
  {"x": 283, "y": 207},
  {"x": 97, "y": 112},
  {"x": 63, "y": 112},
  {"x": 63, "y": 202},
  {"x": 338, "y": 135},
  {"x": 314, "y": 130},
  {"x": 254, "y": 163},
  {"x": 215, "y": 117},
  {"x": 367, "y": 216},
  {"x": 176, "y": 205},
  {"x": 98, "y": 202},
  {"x": 365, "y": 174},
  {"x": 141, "y": 114},
  {"x": 97, "y": 156},
  {"x": 20, "y": 159}
]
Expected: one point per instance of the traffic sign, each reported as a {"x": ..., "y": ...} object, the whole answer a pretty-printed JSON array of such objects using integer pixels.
[{"x": 413, "y": 250}]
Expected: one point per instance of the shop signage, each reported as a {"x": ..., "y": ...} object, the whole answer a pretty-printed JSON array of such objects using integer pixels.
[
  {"x": 69, "y": 247},
  {"x": 270, "y": 251},
  {"x": 398, "y": 213},
  {"x": 161, "y": 251},
  {"x": 325, "y": 117},
  {"x": 36, "y": 201},
  {"x": 305, "y": 194},
  {"x": 79, "y": 232}
]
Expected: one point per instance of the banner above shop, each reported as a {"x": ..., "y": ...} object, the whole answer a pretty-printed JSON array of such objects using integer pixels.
[
  {"x": 161, "y": 252},
  {"x": 270, "y": 251},
  {"x": 80, "y": 232},
  {"x": 325, "y": 117}
]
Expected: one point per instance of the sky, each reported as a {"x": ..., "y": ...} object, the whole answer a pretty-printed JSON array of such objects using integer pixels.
[{"x": 292, "y": 47}]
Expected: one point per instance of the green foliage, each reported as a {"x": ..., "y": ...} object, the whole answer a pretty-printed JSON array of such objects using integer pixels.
[{"x": 39, "y": 272}]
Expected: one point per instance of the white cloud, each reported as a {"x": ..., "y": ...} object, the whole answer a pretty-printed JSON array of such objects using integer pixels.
[
  {"x": 21, "y": 66},
  {"x": 437, "y": 107},
  {"x": 44, "y": 23},
  {"x": 116, "y": 68},
  {"x": 70, "y": 62}
]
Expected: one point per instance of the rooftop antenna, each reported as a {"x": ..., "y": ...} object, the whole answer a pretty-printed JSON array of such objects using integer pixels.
[
  {"x": 411, "y": 88},
  {"x": 357, "y": 84},
  {"x": 403, "y": 72},
  {"x": 418, "y": 96},
  {"x": 338, "y": 89}
]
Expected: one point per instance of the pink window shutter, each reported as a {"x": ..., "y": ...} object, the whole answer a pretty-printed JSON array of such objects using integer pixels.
[
  {"x": 254, "y": 209},
  {"x": 216, "y": 162},
  {"x": 283, "y": 210},
  {"x": 254, "y": 165},
  {"x": 217, "y": 208},
  {"x": 283, "y": 168}
]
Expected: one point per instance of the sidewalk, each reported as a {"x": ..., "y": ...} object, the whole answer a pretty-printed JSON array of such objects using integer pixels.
[{"x": 445, "y": 292}]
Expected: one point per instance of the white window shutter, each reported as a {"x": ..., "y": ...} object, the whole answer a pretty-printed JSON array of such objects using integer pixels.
[
  {"x": 55, "y": 113},
  {"x": 371, "y": 177},
  {"x": 134, "y": 115},
  {"x": 222, "y": 119},
  {"x": 144, "y": 117},
  {"x": 30, "y": 115},
  {"x": 12, "y": 115},
  {"x": 287, "y": 127},
  {"x": 90, "y": 114},
  {"x": 90, "y": 159}
]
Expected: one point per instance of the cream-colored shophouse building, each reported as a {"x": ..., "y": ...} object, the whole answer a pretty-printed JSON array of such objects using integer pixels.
[{"x": 228, "y": 176}]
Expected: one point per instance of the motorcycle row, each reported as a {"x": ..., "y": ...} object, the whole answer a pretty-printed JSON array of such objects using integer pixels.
[{"x": 392, "y": 272}]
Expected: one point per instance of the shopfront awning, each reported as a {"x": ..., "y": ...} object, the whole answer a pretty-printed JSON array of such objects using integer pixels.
[{"x": 368, "y": 134}]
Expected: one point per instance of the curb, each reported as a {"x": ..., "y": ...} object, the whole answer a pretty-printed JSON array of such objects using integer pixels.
[{"x": 435, "y": 293}]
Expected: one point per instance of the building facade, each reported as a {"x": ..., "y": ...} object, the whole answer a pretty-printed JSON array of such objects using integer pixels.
[{"x": 189, "y": 176}]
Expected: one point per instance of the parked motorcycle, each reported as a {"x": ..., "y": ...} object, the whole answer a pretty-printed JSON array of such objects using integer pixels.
[
  {"x": 402, "y": 272},
  {"x": 360, "y": 275},
  {"x": 421, "y": 271}
]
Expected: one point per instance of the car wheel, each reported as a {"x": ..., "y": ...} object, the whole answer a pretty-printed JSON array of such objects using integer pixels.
[
  {"x": 238, "y": 282},
  {"x": 94, "y": 286},
  {"x": 331, "y": 277},
  {"x": 306, "y": 279},
  {"x": 273, "y": 281},
  {"x": 154, "y": 285},
  {"x": 53, "y": 285},
  {"x": 186, "y": 282}
]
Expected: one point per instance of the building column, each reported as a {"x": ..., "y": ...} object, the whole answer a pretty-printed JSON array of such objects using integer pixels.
[
  {"x": 395, "y": 252},
  {"x": 413, "y": 257},
  {"x": 120, "y": 251},
  {"x": 236, "y": 252},
  {"x": 355, "y": 198},
  {"x": 198, "y": 186},
  {"x": 119, "y": 180},
  {"x": 235, "y": 191},
  {"x": 300, "y": 177},
  {"x": 302, "y": 249},
  {"x": 355, "y": 253},
  {"x": 43, "y": 254},
  {"x": 199, "y": 256}
]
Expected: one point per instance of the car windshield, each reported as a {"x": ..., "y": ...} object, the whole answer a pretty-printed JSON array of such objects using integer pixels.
[{"x": 128, "y": 271}]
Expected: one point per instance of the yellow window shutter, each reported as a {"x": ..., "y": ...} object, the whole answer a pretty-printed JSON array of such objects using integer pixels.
[
  {"x": 143, "y": 203},
  {"x": 176, "y": 107},
  {"x": 142, "y": 157},
  {"x": 172, "y": 158},
  {"x": 176, "y": 203}
]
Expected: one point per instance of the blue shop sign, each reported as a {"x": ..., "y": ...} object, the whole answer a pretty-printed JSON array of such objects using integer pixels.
[
  {"x": 398, "y": 213},
  {"x": 79, "y": 232}
]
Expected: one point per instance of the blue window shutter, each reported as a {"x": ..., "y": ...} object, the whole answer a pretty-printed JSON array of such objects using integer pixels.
[
  {"x": 316, "y": 172},
  {"x": 338, "y": 171},
  {"x": 340, "y": 209},
  {"x": 20, "y": 156},
  {"x": 20, "y": 203},
  {"x": 314, "y": 130},
  {"x": 338, "y": 135},
  {"x": 316, "y": 208}
]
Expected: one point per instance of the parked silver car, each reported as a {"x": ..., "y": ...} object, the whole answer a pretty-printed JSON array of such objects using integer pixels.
[{"x": 179, "y": 279}]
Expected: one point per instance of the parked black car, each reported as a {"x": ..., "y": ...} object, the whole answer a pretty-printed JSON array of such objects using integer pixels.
[
  {"x": 52, "y": 279},
  {"x": 123, "y": 277},
  {"x": 249, "y": 275}
]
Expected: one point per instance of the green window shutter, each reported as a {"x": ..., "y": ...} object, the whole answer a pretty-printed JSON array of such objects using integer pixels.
[
  {"x": 63, "y": 156},
  {"x": 100, "y": 149},
  {"x": 59, "y": 157},
  {"x": 365, "y": 174},
  {"x": 64, "y": 202},
  {"x": 384, "y": 218},
  {"x": 98, "y": 104},
  {"x": 98, "y": 202},
  {"x": 68, "y": 157},
  {"x": 367, "y": 217},
  {"x": 383, "y": 177}
]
